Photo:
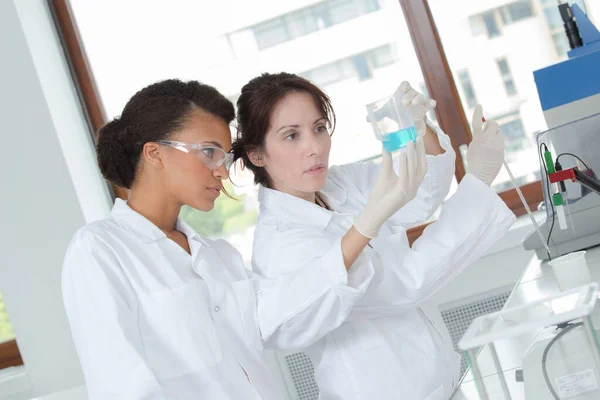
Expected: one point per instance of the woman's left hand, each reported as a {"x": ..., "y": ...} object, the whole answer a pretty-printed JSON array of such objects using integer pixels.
[{"x": 417, "y": 105}]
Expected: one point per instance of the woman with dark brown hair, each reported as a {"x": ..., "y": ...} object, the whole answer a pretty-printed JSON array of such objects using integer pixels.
[{"x": 391, "y": 343}]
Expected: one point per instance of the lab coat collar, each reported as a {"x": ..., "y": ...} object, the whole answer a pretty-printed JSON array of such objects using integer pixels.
[
  {"x": 293, "y": 209},
  {"x": 335, "y": 195},
  {"x": 145, "y": 230}
]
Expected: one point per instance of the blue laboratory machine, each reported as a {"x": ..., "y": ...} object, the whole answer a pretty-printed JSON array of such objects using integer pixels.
[{"x": 569, "y": 93}]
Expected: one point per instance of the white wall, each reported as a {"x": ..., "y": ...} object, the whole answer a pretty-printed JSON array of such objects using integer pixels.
[{"x": 45, "y": 198}]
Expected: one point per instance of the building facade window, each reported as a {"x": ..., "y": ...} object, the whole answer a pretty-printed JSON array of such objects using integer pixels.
[
  {"x": 360, "y": 66},
  {"x": 310, "y": 19},
  {"x": 492, "y": 21},
  {"x": 464, "y": 78},
  {"x": 555, "y": 24},
  {"x": 513, "y": 130},
  {"x": 271, "y": 33},
  {"x": 516, "y": 11},
  {"x": 491, "y": 24},
  {"x": 506, "y": 75}
]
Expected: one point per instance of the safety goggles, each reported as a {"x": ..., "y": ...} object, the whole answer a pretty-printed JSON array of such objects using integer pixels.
[{"x": 211, "y": 156}]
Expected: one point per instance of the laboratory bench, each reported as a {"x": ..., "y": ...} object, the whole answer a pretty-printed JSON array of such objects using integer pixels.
[{"x": 536, "y": 282}]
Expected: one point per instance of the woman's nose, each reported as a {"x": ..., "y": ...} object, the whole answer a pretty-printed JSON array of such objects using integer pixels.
[
  {"x": 221, "y": 172},
  {"x": 315, "y": 146}
]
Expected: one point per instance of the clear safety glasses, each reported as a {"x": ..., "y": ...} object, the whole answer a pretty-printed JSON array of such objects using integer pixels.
[{"x": 211, "y": 156}]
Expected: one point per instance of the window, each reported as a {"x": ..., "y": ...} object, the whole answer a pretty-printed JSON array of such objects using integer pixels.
[
  {"x": 368, "y": 6},
  {"x": 343, "y": 10},
  {"x": 310, "y": 19},
  {"x": 516, "y": 11},
  {"x": 383, "y": 56},
  {"x": 489, "y": 21},
  {"x": 362, "y": 67},
  {"x": 491, "y": 24},
  {"x": 561, "y": 44},
  {"x": 301, "y": 23},
  {"x": 553, "y": 18},
  {"x": 477, "y": 25},
  {"x": 355, "y": 66},
  {"x": 520, "y": 118},
  {"x": 353, "y": 140},
  {"x": 326, "y": 74},
  {"x": 322, "y": 16},
  {"x": 271, "y": 33},
  {"x": 514, "y": 134},
  {"x": 6, "y": 332},
  {"x": 507, "y": 78},
  {"x": 555, "y": 24},
  {"x": 467, "y": 86}
]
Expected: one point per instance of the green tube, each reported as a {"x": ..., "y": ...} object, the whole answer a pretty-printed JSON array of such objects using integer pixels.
[
  {"x": 549, "y": 162},
  {"x": 557, "y": 199}
]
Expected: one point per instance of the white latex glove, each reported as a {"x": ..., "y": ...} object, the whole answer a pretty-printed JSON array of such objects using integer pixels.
[
  {"x": 417, "y": 105},
  {"x": 391, "y": 192},
  {"x": 486, "y": 151}
]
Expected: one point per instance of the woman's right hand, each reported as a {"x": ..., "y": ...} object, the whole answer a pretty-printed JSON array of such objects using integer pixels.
[{"x": 391, "y": 192}]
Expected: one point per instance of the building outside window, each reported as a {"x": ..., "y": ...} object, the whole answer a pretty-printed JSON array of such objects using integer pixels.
[
  {"x": 302, "y": 22},
  {"x": 555, "y": 24},
  {"x": 509, "y": 83},
  {"x": 464, "y": 78}
]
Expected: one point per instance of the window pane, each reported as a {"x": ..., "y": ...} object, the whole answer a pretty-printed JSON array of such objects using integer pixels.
[
  {"x": 362, "y": 67},
  {"x": 382, "y": 56},
  {"x": 561, "y": 44},
  {"x": 509, "y": 84},
  {"x": 301, "y": 23},
  {"x": 552, "y": 16},
  {"x": 368, "y": 6},
  {"x": 343, "y": 10},
  {"x": 520, "y": 10},
  {"x": 555, "y": 24},
  {"x": 270, "y": 33},
  {"x": 358, "y": 51},
  {"x": 325, "y": 75},
  {"x": 501, "y": 74},
  {"x": 467, "y": 86},
  {"x": 6, "y": 332},
  {"x": 477, "y": 25},
  {"x": 322, "y": 15},
  {"x": 491, "y": 24}
]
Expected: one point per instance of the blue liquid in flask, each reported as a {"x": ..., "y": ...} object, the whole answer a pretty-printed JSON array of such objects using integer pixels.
[{"x": 398, "y": 140}]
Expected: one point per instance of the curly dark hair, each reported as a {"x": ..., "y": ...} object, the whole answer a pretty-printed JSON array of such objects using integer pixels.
[{"x": 154, "y": 113}]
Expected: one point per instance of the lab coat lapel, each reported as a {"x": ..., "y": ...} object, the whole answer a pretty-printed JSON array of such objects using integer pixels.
[
  {"x": 334, "y": 194},
  {"x": 212, "y": 268}
]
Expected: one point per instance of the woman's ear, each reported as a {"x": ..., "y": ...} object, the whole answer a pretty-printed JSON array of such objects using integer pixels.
[
  {"x": 152, "y": 153},
  {"x": 256, "y": 158}
]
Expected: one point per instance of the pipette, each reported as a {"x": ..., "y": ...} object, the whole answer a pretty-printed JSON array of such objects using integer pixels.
[{"x": 533, "y": 221}]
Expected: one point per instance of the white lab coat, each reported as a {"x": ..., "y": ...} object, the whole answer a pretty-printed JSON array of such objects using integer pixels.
[
  {"x": 393, "y": 344},
  {"x": 151, "y": 321}
]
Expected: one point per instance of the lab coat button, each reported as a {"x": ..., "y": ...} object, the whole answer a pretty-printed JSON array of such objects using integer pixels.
[{"x": 217, "y": 308}]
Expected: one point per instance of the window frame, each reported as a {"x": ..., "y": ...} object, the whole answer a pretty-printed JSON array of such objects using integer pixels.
[
  {"x": 10, "y": 355},
  {"x": 432, "y": 59},
  {"x": 449, "y": 111}
]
